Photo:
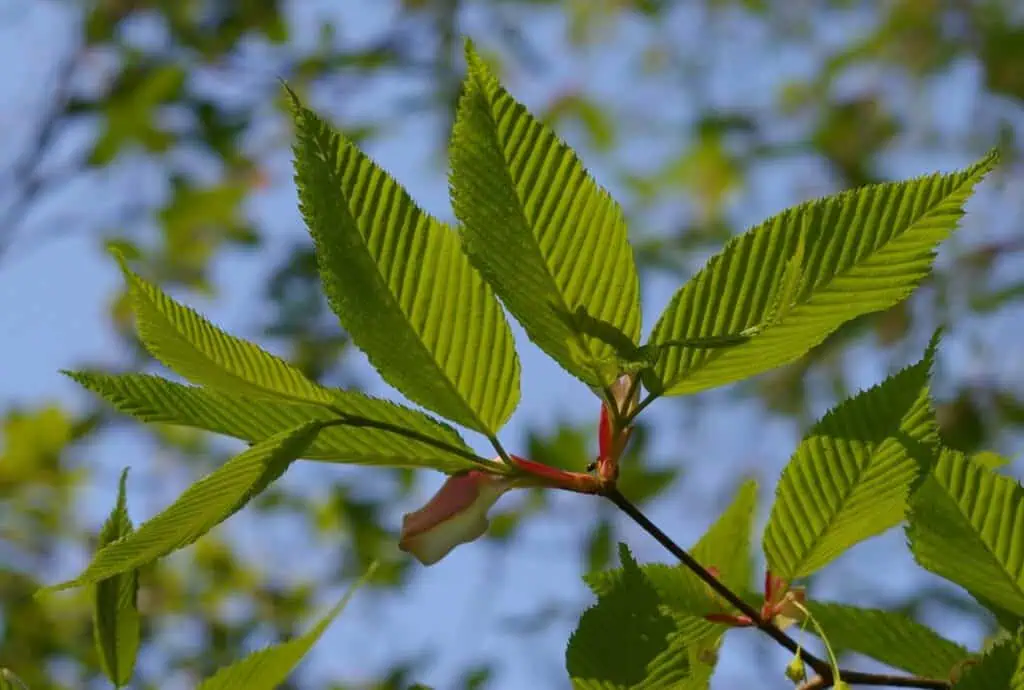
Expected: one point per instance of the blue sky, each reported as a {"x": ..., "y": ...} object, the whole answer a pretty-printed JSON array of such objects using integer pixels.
[{"x": 55, "y": 302}]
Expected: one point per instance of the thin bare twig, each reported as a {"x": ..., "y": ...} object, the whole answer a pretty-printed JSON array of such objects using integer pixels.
[{"x": 24, "y": 173}]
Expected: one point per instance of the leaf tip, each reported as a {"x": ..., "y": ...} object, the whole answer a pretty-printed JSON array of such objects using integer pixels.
[
  {"x": 293, "y": 98},
  {"x": 626, "y": 557},
  {"x": 44, "y": 592}
]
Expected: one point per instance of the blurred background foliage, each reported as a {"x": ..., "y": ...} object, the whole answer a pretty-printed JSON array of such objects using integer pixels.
[{"x": 184, "y": 97}]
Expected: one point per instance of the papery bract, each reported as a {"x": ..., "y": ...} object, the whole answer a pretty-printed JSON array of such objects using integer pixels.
[{"x": 456, "y": 514}]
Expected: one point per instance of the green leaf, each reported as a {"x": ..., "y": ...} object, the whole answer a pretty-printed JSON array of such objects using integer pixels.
[
  {"x": 203, "y": 506},
  {"x": 967, "y": 525},
  {"x": 851, "y": 475},
  {"x": 153, "y": 399},
  {"x": 196, "y": 349},
  {"x": 545, "y": 236},
  {"x": 862, "y": 251},
  {"x": 269, "y": 668},
  {"x": 115, "y": 609},
  {"x": 892, "y": 638},
  {"x": 725, "y": 546},
  {"x": 629, "y": 640},
  {"x": 402, "y": 286},
  {"x": 1001, "y": 667}
]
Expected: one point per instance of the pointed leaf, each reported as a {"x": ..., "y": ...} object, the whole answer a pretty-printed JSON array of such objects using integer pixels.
[
  {"x": 203, "y": 353},
  {"x": 153, "y": 399},
  {"x": 851, "y": 475},
  {"x": 203, "y": 506},
  {"x": 892, "y": 638},
  {"x": 402, "y": 286},
  {"x": 541, "y": 231},
  {"x": 268, "y": 668},
  {"x": 967, "y": 525},
  {"x": 629, "y": 639},
  {"x": 860, "y": 251},
  {"x": 726, "y": 546},
  {"x": 115, "y": 609}
]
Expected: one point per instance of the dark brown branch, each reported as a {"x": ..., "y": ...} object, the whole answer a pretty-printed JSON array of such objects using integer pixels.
[{"x": 825, "y": 677}]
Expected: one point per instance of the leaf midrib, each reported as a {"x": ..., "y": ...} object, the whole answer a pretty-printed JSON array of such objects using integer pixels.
[
  {"x": 535, "y": 245},
  {"x": 844, "y": 500},
  {"x": 823, "y": 288},
  {"x": 431, "y": 222},
  {"x": 976, "y": 534}
]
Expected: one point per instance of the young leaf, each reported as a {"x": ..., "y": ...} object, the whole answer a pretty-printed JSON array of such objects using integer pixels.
[
  {"x": 541, "y": 231},
  {"x": 967, "y": 525},
  {"x": 115, "y": 611},
  {"x": 862, "y": 251},
  {"x": 203, "y": 353},
  {"x": 628, "y": 640},
  {"x": 269, "y": 668},
  {"x": 371, "y": 438},
  {"x": 1001, "y": 667},
  {"x": 851, "y": 475},
  {"x": 402, "y": 286},
  {"x": 203, "y": 506},
  {"x": 892, "y": 638}
]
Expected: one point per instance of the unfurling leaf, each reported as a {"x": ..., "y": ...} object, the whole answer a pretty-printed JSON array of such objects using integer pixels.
[
  {"x": 115, "y": 609},
  {"x": 377, "y": 432},
  {"x": 204, "y": 354},
  {"x": 967, "y": 525},
  {"x": 892, "y": 638}
]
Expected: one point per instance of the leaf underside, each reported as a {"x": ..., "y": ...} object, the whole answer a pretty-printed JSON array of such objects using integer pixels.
[
  {"x": 545, "y": 236},
  {"x": 851, "y": 476},
  {"x": 152, "y": 399},
  {"x": 401, "y": 285},
  {"x": 857, "y": 252},
  {"x": 967, "y": 525},
  {"x": 892, "y": 638}
]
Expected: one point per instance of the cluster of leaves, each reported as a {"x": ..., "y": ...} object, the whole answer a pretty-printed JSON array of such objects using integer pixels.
[
  {"x": 870, "y": 464},
  {"x": 420, "y": 298}
]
